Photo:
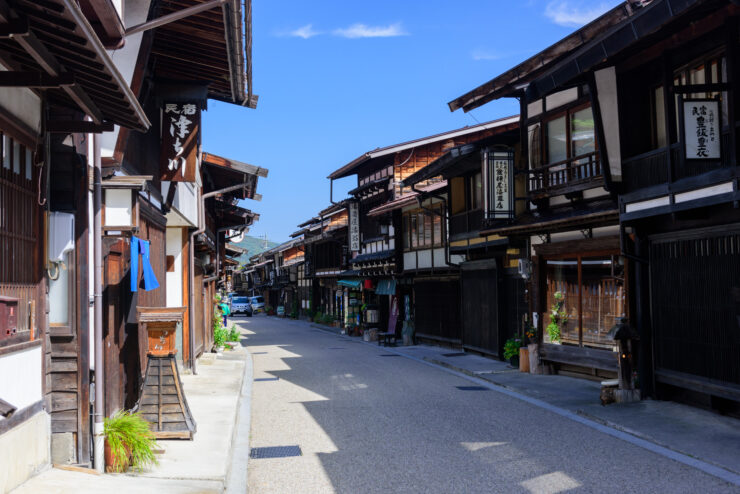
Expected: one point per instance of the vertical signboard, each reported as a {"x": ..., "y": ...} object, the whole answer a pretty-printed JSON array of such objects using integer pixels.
[
  {"x": 354, "y": 227},
  {"x": 180, "y": 141},
  {"x": 500, "y": 184},
  {"x": 701, "y": 129}
]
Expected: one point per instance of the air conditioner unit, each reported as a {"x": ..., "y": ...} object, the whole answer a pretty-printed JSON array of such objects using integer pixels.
[{"x": 524, "y": 267}]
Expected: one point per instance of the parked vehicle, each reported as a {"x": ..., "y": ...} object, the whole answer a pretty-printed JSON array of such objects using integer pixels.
[
  {"x": 258, "y": 304},
  {"x": 241, "y": 305}
]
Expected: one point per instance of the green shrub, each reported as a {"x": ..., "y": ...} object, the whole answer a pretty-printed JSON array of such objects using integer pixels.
[
  {"x": 128, "y": 435},
  {"x": 234, "y": 333},
  {"x": 511, "y": 348},
  {"x": 219, "y": 336}
]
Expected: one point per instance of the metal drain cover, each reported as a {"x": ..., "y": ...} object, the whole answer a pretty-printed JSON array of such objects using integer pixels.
[
  {"x": 266, "y": 379},
  {"x": 275, "y": 452},
  {"x": 456, "y": 354},
  {"x": 259, "y": 353},
  {"x": 471, "y": 388}
]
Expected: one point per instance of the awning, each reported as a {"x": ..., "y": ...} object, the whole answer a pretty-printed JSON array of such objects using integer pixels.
[
  {"x": 213, "y": 45},
  {"x": 386, "y": 287},
  {"x": 354, "y": 284},
  {"x": 224, "y": 172},
  {"x": 373, "y": 256}
]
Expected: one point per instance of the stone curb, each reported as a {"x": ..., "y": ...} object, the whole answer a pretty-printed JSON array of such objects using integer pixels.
[{"x": 236, "y": 477}]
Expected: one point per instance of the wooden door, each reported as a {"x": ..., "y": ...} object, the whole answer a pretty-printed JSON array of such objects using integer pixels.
[
  {"x": 480, "y": 311},
  {"x": 695, "y": 309},
  {"x": 437, "y": 309}
]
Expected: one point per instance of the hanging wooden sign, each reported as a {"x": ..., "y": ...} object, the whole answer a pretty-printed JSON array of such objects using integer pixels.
[
  {"x": 500, "y": 184},
  {"x": 354, "y": 226},
  {"x": 701, "y": 126},
  {"x": 180, "y": 142}
]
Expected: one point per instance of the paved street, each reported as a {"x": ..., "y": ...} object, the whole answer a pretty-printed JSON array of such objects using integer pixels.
[{"x": 367, "y": 421}]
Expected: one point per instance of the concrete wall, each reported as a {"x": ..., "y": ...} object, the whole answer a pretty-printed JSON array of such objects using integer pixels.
[{"x": 24, "y": 451}]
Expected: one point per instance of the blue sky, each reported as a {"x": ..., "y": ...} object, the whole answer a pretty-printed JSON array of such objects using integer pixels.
[{"x": 338, "y": 78}]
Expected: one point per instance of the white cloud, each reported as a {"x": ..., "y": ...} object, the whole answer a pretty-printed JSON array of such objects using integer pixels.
[
  {"x": 304, "y": 32},
  {"x": 574, "y": 13},
  {"x": 485, "y": 55},
  {"x": 364, "y": 31}
]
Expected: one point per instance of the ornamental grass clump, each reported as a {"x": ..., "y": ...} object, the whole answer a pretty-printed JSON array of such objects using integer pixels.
[{"x": 129, "y": 439}]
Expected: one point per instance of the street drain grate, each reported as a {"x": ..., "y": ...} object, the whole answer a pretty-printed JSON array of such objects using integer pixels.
[
  {"x": 471, "y": 388},
  {"x": 259, "y": 353},
  {"x": 275, "y": 452},
  {"x": 266, "y": 379},
  {"x": 389, "y": 355},
  {"x": 456, "y": 354}
]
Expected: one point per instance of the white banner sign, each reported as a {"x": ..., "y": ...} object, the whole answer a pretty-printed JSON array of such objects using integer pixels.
[
  {"x": 701, "y": 129},
  {"x": 501, "y": 184},
  {"x": 354, "y": 226}
]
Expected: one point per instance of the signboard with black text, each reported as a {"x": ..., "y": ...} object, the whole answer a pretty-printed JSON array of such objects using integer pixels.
[
  {"x": 180, "y": 142},
  {"x": 500, "y": 184},
  {"x": 354, "y": 227},
  {"x": 701, "y": 129}
]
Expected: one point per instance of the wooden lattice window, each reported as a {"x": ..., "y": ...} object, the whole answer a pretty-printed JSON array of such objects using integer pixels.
[{"x": 19, "y": 228}]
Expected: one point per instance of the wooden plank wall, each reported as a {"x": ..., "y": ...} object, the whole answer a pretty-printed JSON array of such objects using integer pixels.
[
  {"x": 67, "y": 357},
  {"x": 424, "y": 155}
]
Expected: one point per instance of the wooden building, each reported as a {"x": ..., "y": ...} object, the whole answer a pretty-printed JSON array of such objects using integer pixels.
[
  {"x": 428, "y": 289},
  {"x": 55, "y": 72},
  {"x": 646, "y": 99},
  {"x": 490, "y": 304},
  {"x": 325, "y": 242}
]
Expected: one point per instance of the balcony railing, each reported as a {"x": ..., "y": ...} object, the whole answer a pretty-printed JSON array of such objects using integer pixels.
[
  {"x": 468, "y": 221},
  {"x": 577, "y": 173},
  {"x": 654, "y": 168}
]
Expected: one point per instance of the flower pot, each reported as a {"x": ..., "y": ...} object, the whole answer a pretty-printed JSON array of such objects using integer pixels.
[
  {"x": 108, "y": 455},
  {"x": 514, "y": 361},
  {"x": 523, "y": 359}
]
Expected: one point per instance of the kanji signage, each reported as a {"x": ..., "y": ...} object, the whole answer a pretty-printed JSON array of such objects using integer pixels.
[
  {"x": 701, "y": 122},
  {"x": 180, "y": 142},
  {"x": 500, "y": 184},
  {"x": 354, "y": 226}
]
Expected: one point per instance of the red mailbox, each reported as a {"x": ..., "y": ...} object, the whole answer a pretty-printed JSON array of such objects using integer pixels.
[{"x": 8, "y": 317}]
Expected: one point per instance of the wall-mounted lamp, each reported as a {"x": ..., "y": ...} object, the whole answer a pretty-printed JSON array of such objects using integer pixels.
[{"x": 120, "y": 206}]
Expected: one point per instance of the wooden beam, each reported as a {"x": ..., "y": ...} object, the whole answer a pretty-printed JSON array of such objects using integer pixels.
[
  {"x": 34, "y": 79},
  {"x": 48, "y": 62},
  {"x": 78, "y": 126},
  {"x": 175, "y": 16},
  {"x": 14, "y": 27}
]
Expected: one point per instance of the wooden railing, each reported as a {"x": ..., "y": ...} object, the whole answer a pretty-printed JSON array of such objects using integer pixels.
[
  {"x": 565, "y": 176},
  {"x": 466, "y": 222},
  {"x": 654, "y": 167}
]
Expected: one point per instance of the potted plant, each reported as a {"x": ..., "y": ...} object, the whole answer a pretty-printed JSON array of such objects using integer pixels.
[
  {"x": 533, "y": 349},
  {"x": 128, "y": 441},
  {"x": 558, "y": 318},
  {"x": 511, "y": 351}
]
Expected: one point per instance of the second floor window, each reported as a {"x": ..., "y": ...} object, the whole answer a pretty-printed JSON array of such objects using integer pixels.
[
  {"x": 467, "y": 193},
  {"x": 423, "y": 229},
  {"x": 565, "y": 136}
]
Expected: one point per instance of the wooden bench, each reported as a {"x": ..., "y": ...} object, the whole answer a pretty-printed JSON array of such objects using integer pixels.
[{"x": 385, "y": 338}]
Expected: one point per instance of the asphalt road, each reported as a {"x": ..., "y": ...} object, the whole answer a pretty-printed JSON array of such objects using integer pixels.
[{"x": 368, "y": 422}]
